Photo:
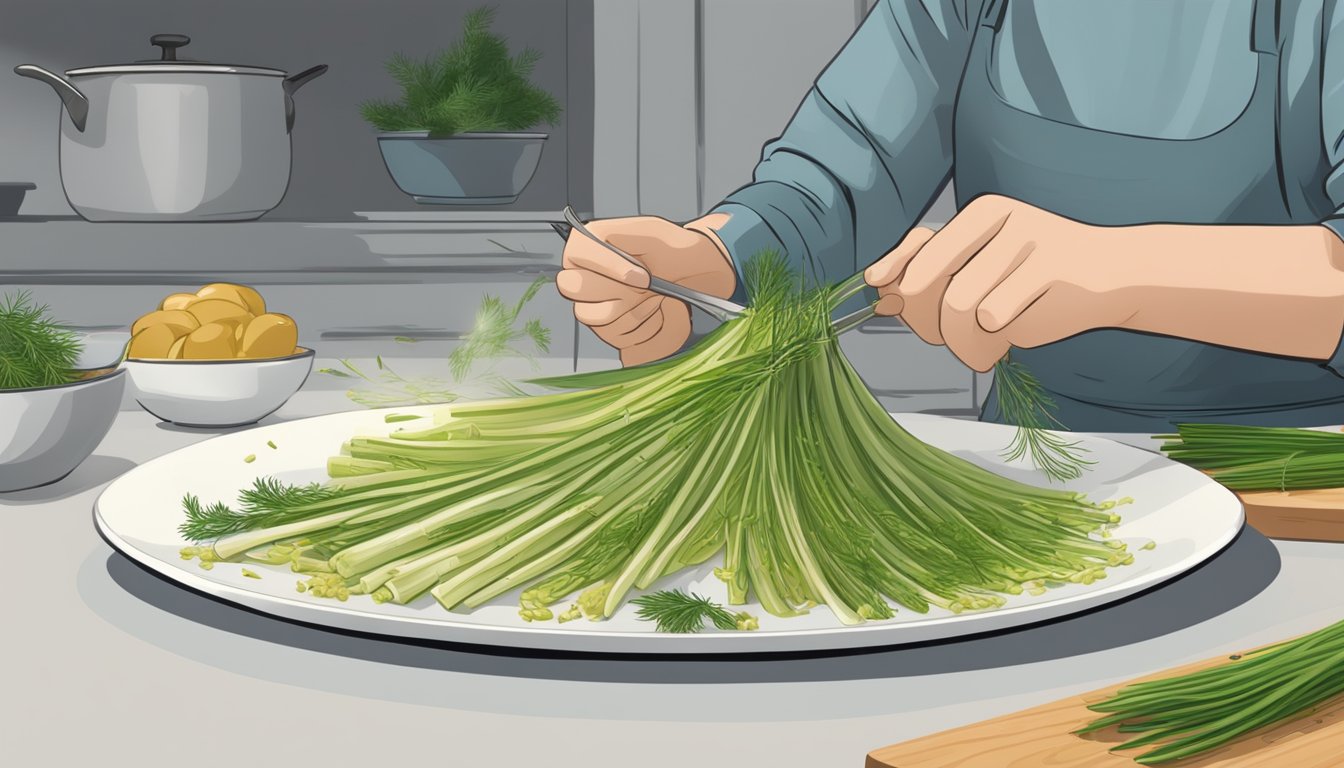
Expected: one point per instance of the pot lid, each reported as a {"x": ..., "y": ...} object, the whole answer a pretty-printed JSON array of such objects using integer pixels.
[{"x": 168, "y": 61}]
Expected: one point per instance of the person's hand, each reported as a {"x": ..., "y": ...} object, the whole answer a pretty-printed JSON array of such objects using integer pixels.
[
  {"x": 611, "y": 296},
  {"x": 1004, "y": 274}
]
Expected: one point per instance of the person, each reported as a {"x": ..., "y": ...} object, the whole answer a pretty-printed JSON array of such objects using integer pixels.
[{"x": 1150, "y": 204}]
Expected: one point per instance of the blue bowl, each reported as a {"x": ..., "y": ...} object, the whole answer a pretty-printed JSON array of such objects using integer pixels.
[{"x": 465, "y": 169}]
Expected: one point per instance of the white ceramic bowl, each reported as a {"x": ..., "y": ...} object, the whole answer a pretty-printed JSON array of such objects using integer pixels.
[
  {"x": 217, "y": 393},
  {"x": 45, "y": 433}
]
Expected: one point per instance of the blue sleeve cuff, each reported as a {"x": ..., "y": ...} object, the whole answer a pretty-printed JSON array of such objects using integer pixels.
[
  {"x": 745, "y": 234},
  {"x": 1336, "y": 361}
]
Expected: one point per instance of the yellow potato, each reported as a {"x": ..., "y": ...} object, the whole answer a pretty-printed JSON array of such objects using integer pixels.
[
  {"x": 212, "y": 341},
  {"x": 175, "y": 351},
  {"x": 177, "y": 301},
  {"x": 255, "y": 304},
  {"x": 270, "y": 335},
  {"x": 228, "y": 292},
  {"x": 180, "y": 321},
  {"x": 152, "y": 342},
  {"x": 209, "y": 311}
]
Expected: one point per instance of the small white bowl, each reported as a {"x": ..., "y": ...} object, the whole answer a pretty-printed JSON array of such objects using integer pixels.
[
  {"x": 45, "y": 433},
  {"x": 217, "y": 393}
]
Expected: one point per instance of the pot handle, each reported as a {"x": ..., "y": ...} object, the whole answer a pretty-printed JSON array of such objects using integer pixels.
[
  {"x": 294, "y": 83},
  {"x": 76, "y": 103}
]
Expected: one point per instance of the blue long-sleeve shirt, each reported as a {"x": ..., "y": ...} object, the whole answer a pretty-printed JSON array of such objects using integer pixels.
[{"x": 870, "y": 147}]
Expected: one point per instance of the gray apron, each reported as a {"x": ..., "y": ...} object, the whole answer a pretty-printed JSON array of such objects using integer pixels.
[{"x": 1124, "y": 381}]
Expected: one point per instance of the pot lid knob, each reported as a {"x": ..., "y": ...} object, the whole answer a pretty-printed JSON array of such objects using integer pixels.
[{"x": 169, "y": 44}]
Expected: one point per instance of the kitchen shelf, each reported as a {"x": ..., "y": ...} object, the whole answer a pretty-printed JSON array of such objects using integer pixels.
[{"x": 404, "y": 247}]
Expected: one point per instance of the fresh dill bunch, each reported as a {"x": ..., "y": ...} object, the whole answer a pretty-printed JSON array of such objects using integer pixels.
[
  {"x": 682, "y": 613},
  {"x": 1023, "y": 401},
  {"x": 35, "y": 351},
  {"x": 473, "y": 86},
  {"x": 267, "y": 503}
]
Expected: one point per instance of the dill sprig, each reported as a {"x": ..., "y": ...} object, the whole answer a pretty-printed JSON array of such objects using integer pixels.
[
  {"x": 1024, "y": 402},
  {"x": 682, "y": 613},
  {"x": 473, "y": 86},
  {"x": 35, "y": 351},
  {"x": 267, "y": 503},
  {"x": 496, "y": 334}
]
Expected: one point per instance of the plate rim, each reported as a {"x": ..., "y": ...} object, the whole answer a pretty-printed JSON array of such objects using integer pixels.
[{"x": 561, "y": 639}]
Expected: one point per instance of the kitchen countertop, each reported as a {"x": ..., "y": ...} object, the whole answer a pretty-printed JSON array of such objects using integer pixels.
[{"x": 100, "y": 661}]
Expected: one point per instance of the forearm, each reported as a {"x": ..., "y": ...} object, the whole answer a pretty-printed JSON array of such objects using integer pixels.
[
  {"x": 1271, "y": 289},
  {"x": 866, "y": 151}
]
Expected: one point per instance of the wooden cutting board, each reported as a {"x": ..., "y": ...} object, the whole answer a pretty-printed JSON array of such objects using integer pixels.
[
  {"x": 1315, "y": 515},
  {"x": 1044, "y": 736}
]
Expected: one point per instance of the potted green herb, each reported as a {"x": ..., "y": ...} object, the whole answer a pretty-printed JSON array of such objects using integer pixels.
[
  {"x": 459, "y": 133},
  {"x": 54, "y": 406}
]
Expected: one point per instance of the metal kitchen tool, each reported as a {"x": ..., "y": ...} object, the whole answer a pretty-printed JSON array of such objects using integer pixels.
[
  {"x": 171, "y": 139},
  {"x": 720, "y": 309}
]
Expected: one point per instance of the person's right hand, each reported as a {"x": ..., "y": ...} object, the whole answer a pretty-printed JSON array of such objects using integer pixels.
[{"x": 611, "y": 295}]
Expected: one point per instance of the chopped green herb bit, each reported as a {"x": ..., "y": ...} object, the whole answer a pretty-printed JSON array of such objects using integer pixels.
[
  {"x": 249, "y": 458},
  {"x": 251, "y": 574},
  {"x": 271, "y": 444},
  {"x": 393, "y": 418}
]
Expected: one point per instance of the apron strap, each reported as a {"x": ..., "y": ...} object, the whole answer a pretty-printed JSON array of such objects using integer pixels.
[
  {"x": 993, "y": 14},
  {"x": 1265, "y": 27}
]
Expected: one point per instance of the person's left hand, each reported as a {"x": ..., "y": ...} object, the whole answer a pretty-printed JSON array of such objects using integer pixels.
[{"x": 1004, "y": 274}]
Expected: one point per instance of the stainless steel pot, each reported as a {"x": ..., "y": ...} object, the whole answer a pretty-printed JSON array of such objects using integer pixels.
[{"x": 174, "y": 139}]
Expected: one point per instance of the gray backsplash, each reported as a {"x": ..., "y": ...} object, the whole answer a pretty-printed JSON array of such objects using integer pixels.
[
  {"x": 337, "y": 168},
  {"x": 673, "y": 133}
]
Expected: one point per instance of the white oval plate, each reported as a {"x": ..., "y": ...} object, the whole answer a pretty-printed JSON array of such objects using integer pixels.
[{"x": 1187, "y": 515}]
